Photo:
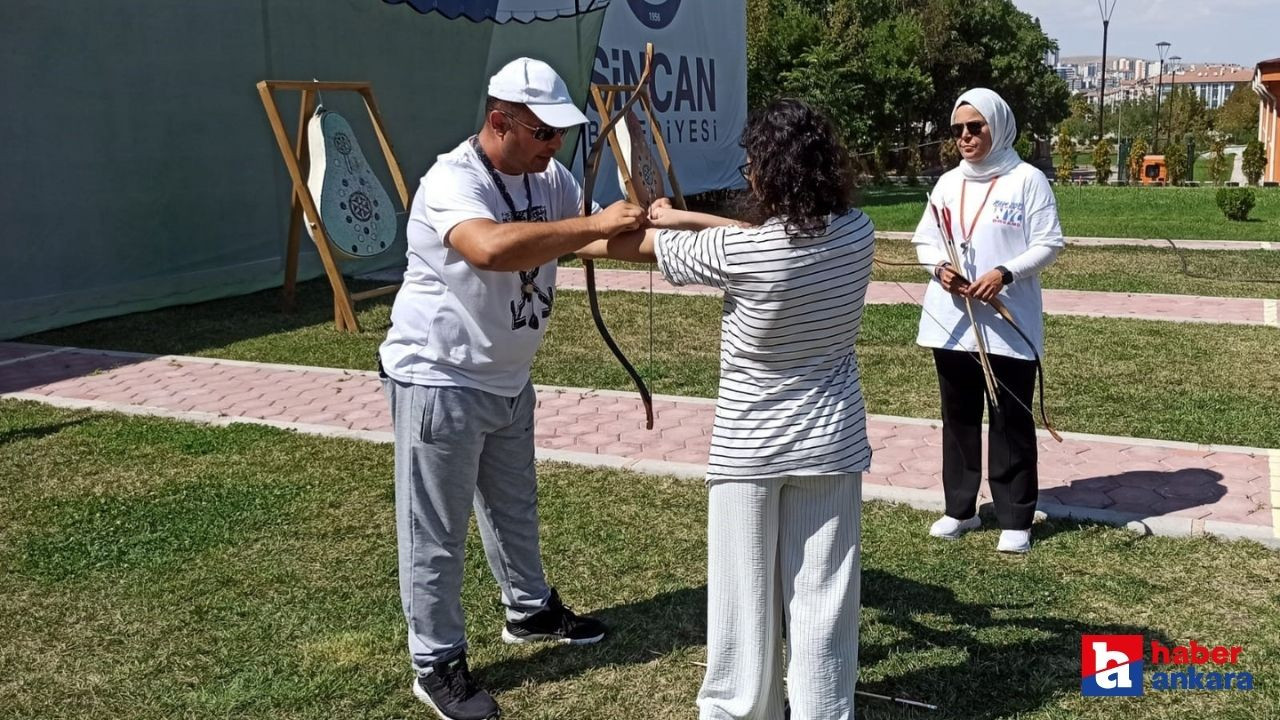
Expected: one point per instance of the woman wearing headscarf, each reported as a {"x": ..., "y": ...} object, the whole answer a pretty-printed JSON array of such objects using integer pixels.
[
  {"x": 790, "y": 445},
  {"x": 1002, "y": 220}
]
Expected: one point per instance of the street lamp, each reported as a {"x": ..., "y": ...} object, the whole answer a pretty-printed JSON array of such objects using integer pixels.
[
  {"x": 1173, "y": 88},
  {"x": 1163, "y": 47},
  {"x": 1102, "y": 85},
  {"x": 1124, "y": 98}
]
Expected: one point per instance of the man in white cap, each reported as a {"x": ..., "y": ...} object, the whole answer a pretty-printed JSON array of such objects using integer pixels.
[{"x": 487, "y": 224}]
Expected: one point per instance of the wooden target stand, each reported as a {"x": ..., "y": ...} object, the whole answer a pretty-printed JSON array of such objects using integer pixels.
[
  {"x": 297, "y": 158},
  {"x": 604, "y": 97}
]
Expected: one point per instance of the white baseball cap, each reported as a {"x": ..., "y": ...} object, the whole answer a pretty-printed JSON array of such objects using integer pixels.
[{"x": 533, "y": 83}]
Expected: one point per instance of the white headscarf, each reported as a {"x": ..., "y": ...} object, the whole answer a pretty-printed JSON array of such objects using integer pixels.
[{"x": 1004, "y": 130}]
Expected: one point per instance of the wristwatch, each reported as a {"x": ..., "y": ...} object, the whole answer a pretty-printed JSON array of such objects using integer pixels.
[{"x": 1006, "y": 277}]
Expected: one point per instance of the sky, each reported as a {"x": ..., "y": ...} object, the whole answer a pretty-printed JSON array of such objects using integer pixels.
[{"x": 1232, "y": 31}]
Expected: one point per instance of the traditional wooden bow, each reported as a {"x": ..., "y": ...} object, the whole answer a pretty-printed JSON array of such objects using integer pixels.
[
  {"x": 943, "y": 220},
  {"x": 1000, "y": 308},
  {"x": 590, "y": 169}
]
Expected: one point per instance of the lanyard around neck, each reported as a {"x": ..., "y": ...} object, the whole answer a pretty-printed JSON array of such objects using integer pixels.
[
  {"x": 502, "y": 185},
  {"x": 968, "y": 233}
]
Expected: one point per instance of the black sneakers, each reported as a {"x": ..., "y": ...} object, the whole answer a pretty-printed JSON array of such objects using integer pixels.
[
  {"x": 451, "y": 691},
  {"x": 554, "y": 623}
]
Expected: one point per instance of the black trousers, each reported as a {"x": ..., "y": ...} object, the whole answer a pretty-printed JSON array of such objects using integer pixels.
[{"x": 1011, "y": 445}]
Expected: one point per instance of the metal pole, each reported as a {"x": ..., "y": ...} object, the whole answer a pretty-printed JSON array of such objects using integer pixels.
[
  {"x": 1155, "y": 136},
  {"x": 1105, "y": 7},
  {"x": 1102, "y": 84},
  {"x": 1163, "y": 47},
  {"x": 1124, "y": 96},
  {"x": 1173, "y": 88}
]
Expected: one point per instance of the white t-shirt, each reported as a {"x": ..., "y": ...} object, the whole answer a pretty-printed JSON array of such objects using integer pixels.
[
  {"x": 1018, "y": 228},
  {"x": 453, "y": 324},
  {"x": 790, "y": 399}
]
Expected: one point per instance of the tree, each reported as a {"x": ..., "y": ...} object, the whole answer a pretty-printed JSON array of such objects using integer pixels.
[
  {"x": 779, "y": 32},
  {"x": 1253, "y": 161},
  {"x": 986, "y": 44},
  {"x": 1083, "y": 120},
  {"x": 1137, "y": 155},
  {"x": 1067, "y": 156},
  {"x": 1136, "y": 117},
  {"x": 824, "y": 76},
  {"x": 1024, "y": 147},
  {"x": 1238, "y": 116},
  {"x": 1185, "y": 115},
  {"x": 913, "y": 164},
  {"x": 1219, "y": 168},
  {"x": 1102, "y": 160},
  {"x": 949, "y": 154},
  {"x": 1175, "y": 163},
  {"x": 884, "y": 68}
]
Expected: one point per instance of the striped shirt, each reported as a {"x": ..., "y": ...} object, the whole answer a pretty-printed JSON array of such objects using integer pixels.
[{"x": 790, "y": 400}]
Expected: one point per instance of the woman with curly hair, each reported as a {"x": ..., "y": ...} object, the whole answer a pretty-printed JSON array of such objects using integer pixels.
[{"x": 789, "y": 444}]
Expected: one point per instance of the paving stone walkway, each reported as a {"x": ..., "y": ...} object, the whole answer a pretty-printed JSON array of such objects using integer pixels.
[{"x": 1156, "y": 486}]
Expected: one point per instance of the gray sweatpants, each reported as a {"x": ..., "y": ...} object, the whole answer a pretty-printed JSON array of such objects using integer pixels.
[
  {"x": 781, "y": 551},
  {"x": 455, "y": 448}
]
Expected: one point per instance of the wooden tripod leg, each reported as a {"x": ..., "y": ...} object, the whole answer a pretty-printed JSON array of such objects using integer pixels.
[
  {"x": 375, "y": 116},
  {"x": 603, "y": 103},
  {"x": 344, "y": 312},
  {"x": 676, "y": 193},
  {"x": 295, "y": 214}
]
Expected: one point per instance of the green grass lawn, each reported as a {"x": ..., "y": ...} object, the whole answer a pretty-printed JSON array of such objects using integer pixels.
[
  {"x": 151, "y": 569},
  {"x": 1129, "y": 269},
  {"x": 1179, "y": 213},
  {"x": 1193, "y": 382},
  {"x": 1221, "y": 273}
]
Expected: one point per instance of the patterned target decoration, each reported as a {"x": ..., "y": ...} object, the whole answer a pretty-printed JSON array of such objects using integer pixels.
[
  {"x": 359, "y": 219},
  {"x": 342, "y": 143},
  {"x": 361, "y": 206}
]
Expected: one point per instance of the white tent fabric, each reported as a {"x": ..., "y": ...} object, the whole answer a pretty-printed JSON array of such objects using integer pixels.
[{"x": 153, "y": 179}]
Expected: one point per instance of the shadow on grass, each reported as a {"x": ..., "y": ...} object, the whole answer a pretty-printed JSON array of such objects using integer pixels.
[
  {"x": 1004, "y": 660},
  {"x": 191, "y": 329},
  {"x": 638, "y": 633},
  {"x": 1013, "y": 659},
  {"x": 35, "y": 433}
]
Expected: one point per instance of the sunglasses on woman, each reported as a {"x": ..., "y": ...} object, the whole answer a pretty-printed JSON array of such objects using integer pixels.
[
  {"x": 973, "y": 126},
  {"x": 541, "y": 133}
]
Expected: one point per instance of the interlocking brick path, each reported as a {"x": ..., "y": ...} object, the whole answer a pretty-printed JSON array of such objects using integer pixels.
[{"x": 1173, "y": 488}]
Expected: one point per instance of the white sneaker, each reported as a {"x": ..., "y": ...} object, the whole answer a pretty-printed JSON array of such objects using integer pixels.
[
  {"x": 951, "y": 528},
  {"x": 1014, "y": 541}
]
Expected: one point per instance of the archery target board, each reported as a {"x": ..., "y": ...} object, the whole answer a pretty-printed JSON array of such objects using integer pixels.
[
  {"x": 646, "y": 172},
  {"x": 359, "y": 219}
]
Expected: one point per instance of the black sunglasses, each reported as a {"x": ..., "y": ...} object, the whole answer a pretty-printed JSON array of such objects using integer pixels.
[
  {"x": 541, "y": 133},
  {"x": 745, "y": 169},
  {"x": 973, "y": 126}
]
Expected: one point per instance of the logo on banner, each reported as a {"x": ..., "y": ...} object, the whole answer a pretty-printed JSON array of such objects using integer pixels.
[
  {"x": 655, "y": 15},
  {"x": 1111, "y": 665}
]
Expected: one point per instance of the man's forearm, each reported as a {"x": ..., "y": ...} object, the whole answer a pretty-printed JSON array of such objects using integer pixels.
[{"x": 525, "y": 245}]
